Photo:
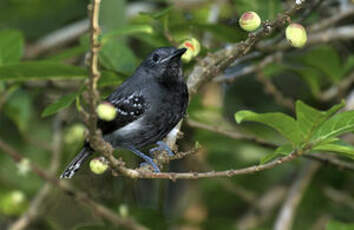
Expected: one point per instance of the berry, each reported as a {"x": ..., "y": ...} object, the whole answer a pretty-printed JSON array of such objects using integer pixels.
[
  {"x": 193, "y": 48},
  {"x": 250, "y": 21},
  {"x": 74, "y": 134},
  {"x": 13, "y": 203},
  {"x": 98, "y": 165},
  {"x": 296, "y": 35},
  {"x": 106, "y": 111}
]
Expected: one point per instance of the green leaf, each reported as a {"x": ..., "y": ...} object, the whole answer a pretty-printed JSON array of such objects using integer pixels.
[
  {"x": 69, "y": 53},
  {"x": 283, "y": 123},
  {"x": 18, "y": 108},
  {"x": 40, "y": 70},
  {"x": 335, "y": 225},
  {"x": 107, "y": 79},
  {"x": 60, "y": 104},
  {"x": 116, "y": 56},
  {"x": 313, "y": 78},
  {"x": 94, "y": 227},
  {"x": 326, "y": 59},
  {"x": 220, "y": 32},
  {"x": 348, "y": 66},
  {"x": 339, "y": 124},
  {"x": 127, "y": 30},
  {"x": 112, "y": 14},
  {"x": 266, "y": 9},
  {"x": 309, "y": 119},
  {"x": 281, "y": 150},
  {"x": 11, "y": 46},
  {"x": 157, "y": 15},
  {"x": 110, "y": 79},
  {"x": 337, "y": 147},
  {"x": 274, "y": 69}
]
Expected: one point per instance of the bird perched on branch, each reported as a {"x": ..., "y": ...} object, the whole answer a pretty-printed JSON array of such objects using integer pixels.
[{"x": 149, "y": 104}]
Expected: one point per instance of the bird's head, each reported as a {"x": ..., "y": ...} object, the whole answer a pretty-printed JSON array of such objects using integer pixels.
[{"x": 164, "y": 62}]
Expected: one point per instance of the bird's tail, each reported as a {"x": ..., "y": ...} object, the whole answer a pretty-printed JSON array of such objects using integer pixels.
[{"x": 75, "y": 164}]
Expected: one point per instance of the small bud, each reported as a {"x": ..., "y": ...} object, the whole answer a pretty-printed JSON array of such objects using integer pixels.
[
  {"x": 193, "y": 49},
  {"x": 75, "y": 134},
  {"x": 98, "y": 165},
  {"x": 250, "y": 21},
  {"x": 123, "y": 210},
  {"x": 296, "y": 35},
  {"x": 106, "y": 111},
  {"x": 23, "y": 166},
  {"x": 197, "y": 145},
  {"x": 13, "y": 203}
]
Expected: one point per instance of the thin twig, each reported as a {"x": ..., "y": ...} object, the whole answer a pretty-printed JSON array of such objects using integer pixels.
[
  {"x": 297, "y": 190},
  {"x": 271, "y": 89},
  {"x": 337, "y": 90},
  {"x": 325, "y": 23},
  {"x": 262, "y": 208},
  {"x": 331, "y": 160},
  {"x": 339, "y": 197},
  {"x": 57, "y": 38},
  {"x": 93, "y": 67},
  {"x": 229, "y": 133},
  {"x": 249, "y": 69}
]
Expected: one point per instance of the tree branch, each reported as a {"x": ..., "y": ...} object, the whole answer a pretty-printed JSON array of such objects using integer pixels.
[
  {"x": 197, "y": 175},
  {"x": 325, "y": 23}
]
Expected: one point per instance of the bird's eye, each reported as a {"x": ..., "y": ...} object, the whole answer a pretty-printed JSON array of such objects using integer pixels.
[{"x": 155, "y": 57}]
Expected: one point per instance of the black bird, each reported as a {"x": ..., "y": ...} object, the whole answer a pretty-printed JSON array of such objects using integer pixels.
[{"x": 149, "y": 105}]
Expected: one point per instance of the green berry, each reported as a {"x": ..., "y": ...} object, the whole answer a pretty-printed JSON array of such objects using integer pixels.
[
  {"x": 250, "y": 21},
  {"x": 106, "y": 111},
  {"x": 193, "y": 48},
  {"x": 98, "y": 165},
  {"x": 123, "y": 210},
  {"x": 13, "y": 203},
  {"x": 74, "y": 134},
  {"x": 24, "y": 166},
  {"x": 296, "y": 35}
]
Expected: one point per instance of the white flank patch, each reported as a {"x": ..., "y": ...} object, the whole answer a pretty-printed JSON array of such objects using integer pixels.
[{"x": 129, "y": 127}]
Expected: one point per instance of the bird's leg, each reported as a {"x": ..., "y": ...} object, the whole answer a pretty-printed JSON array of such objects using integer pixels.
[
  {"x": 160, "y": 147},
  {"x": 148, "y": 159}
]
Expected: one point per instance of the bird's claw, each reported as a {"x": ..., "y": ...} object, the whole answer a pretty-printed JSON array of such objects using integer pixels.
[
  {"x": 160, "y": 147},
  {"x": 156, "y": 169}
]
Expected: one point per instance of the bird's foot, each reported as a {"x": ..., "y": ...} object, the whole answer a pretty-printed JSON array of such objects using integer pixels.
[
  {"x": 160, "y": 147},
  {"x": 148, "y": 166},
  {"x": 147, "y": 159}
]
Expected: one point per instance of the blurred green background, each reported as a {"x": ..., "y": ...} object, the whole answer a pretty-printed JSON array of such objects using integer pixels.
[{"x": 49, "y": 68}]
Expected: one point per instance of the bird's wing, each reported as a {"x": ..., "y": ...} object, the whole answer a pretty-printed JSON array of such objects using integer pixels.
[{"x": 129, "y": 108}]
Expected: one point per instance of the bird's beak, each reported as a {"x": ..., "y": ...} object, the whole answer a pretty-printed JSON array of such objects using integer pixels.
[{"x": 177, "y": 54}]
